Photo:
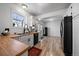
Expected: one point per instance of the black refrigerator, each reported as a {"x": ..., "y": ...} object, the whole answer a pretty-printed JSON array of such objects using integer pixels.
[{"x": 68, "y": 36}]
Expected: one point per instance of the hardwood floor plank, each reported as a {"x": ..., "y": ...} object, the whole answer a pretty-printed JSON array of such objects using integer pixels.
[{"x": 51, "y": 46}]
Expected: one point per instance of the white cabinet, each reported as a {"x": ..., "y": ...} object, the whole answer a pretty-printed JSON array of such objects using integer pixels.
[
  {"x": 30, "y": 40},
  {"x": 40, "y": 35},
  {"x": 26, "y": 39},
  {"x": 75, "y": 9},
  {"x": 69, "y": 11}
]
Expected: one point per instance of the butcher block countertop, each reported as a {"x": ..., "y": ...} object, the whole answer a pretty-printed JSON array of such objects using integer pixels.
[
  {"x": 27, "y": 33},
  {"x": 33, "y": 33},
  {"x": 13, "y": 35},
  {"x": 11, "y": 47}
]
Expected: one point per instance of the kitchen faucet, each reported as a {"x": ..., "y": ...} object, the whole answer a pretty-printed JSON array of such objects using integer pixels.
[{"x": 26, "y": 28}]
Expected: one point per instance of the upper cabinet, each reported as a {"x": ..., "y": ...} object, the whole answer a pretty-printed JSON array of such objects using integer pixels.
[
  {"x": 69, "y": 11},
  {"x": 75, "y": 9}
]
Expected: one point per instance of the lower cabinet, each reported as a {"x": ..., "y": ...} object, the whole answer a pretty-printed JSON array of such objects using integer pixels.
[
  {"x": 26, "y": 39},
  {"x": 31, "y": 40},
  {"x": 40, "y": 36}
]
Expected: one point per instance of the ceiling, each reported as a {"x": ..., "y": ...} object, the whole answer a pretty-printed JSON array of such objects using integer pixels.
[{"x": 37, "y": 9}]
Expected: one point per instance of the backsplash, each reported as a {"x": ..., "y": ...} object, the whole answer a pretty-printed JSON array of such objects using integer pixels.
[{"x": 16, "y": 30}]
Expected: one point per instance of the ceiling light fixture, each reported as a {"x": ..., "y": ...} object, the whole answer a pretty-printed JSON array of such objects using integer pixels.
[
  {"x": 24, "y": 6},
  {"x": 39, "y": 19}
]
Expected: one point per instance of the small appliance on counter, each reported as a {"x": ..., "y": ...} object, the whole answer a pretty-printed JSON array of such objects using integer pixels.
[{"x": 5, "y": 32}]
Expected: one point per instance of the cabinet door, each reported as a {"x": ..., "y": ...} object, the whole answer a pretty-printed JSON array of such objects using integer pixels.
[
  {"x": 24, "y": 39},
  {"x": 69, "y": 11},
  {"x": 30, "y": 40},
  {"x": 75, "y": 9}
]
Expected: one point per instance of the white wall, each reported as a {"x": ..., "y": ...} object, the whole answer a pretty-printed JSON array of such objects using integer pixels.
[
  {"x": 52, "y": 14},
  {"x": 54, "y": 28},
  {"x": 5, "y": 16}
]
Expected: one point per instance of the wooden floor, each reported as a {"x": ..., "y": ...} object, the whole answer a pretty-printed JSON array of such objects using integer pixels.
[{"x": 51, "y": 46}]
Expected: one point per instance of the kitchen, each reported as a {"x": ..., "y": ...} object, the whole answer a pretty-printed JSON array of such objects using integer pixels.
[
  {"x": 26, "y": 25},
  {"x": 16, "y": 28}
]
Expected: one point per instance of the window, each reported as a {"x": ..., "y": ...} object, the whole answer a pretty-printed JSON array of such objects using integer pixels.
[{"x": 17, "y": 20}]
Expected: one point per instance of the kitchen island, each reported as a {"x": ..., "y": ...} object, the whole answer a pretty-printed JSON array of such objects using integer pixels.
[
  {"x": 11, "y": 47},
  {"x": 30, "y": 38}
]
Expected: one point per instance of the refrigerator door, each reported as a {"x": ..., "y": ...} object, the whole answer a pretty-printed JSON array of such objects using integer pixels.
[{"x": 68, "y": 35}]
